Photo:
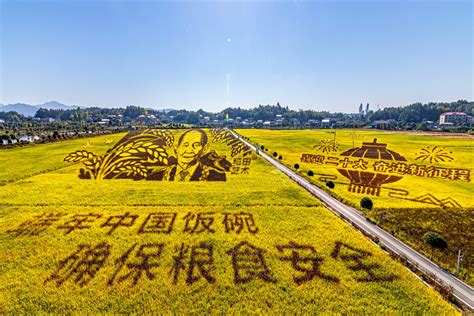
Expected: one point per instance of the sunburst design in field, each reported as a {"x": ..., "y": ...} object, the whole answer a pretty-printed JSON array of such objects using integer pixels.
[
  {"x": 434, "y": 154},
  {"x": 326, "y": 146}
]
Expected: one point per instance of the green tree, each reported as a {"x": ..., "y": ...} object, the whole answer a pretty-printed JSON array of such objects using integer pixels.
[
  {"x": 133, "y": 112},
  {"x": 366, "y": 203},
  {"x": 422, "y": 127},
  {"x": 435, "y": 240}
]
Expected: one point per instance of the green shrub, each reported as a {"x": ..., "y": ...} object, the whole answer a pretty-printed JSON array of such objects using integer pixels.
[
  {"x": 366, "y": 203},
  {"x": 330, "y": 184},
  {"x": 435, "y": 240}
]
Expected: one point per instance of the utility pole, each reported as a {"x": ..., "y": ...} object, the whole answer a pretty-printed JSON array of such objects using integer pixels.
[{"x": 458, "y": 265}]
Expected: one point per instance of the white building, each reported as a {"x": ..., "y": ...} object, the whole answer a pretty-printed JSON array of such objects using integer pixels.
[
  {"x": 326, "y": 122},
  {"x": 454, "y": 118}
]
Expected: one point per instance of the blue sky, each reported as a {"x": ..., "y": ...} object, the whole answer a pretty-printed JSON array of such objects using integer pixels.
[{"x": 322, "y": 55}]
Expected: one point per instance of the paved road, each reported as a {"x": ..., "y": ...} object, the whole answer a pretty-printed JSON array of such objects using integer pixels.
[{"x": 462, "y": 291}]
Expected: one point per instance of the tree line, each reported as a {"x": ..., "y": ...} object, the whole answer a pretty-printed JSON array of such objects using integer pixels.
[{"x": 413, "y": 113}]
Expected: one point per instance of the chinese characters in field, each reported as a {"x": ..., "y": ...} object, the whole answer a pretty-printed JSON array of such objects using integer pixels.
[
  {"x": 195, "y": 262},
  {"x": 397, "y": 168},
  {"x": 152, "y": 223}
]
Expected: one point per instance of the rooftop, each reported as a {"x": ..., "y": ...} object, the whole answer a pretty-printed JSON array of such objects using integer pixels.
[{"x": 453, "y": 113}]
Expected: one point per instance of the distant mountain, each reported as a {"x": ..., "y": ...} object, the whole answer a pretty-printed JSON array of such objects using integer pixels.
[
  {"x": 54, "y": 105},
  {"x": 25, "y": 109},
  {"x": 30, "y": 110}
]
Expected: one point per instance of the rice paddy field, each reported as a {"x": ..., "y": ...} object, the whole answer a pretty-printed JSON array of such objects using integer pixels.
[
  {"x": 417, "y": 183},
  {"x": 255, "y": 243}
]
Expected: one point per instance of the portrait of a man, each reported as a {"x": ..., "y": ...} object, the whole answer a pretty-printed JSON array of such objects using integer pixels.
[{"x": 192, "y": 161}]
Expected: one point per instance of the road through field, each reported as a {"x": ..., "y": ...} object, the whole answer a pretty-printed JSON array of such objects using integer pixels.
[{"x": 461, "y": 291}]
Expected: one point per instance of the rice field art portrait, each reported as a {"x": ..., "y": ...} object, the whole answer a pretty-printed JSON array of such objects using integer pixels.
[{"x": 154, "y": 154}]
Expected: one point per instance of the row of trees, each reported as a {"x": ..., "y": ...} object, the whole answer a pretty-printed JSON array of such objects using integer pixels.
[
  {"x": 269, "y": 112},
  {"x": 418, "y": 112},
  {"x": 410, "y": 115},
  {"x": 81, "y": 114}
]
